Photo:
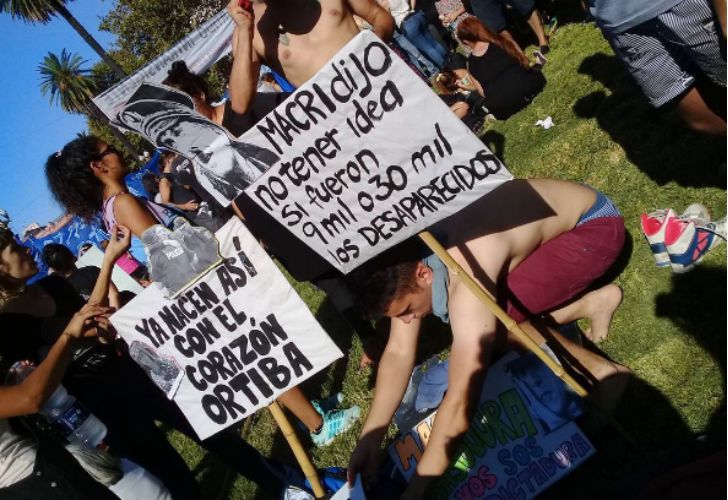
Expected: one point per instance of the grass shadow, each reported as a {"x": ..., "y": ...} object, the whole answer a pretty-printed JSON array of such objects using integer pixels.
[
  {"x": 215, "y": 477},
  {"x": 496, "y": 142},
  {"x": 696, "y": 305},
  {"x": 340, "y": 331},
  {"x": 644, "y": 132},
  {"x": 619, "y": 468}
]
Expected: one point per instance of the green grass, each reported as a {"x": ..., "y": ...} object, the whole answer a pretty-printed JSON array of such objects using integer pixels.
[{"x": 670, "y": 330}]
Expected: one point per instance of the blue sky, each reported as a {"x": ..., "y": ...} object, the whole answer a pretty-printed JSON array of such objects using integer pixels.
[{"x": 30, "y": 127}]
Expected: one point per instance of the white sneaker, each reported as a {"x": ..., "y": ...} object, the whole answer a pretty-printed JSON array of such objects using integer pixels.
[
  {"x": 653, "y": 226},
  {"x": 697, "y": 213}
]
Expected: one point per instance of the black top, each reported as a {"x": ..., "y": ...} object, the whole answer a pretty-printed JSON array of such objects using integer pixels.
[
  {"x": 84, "y": 280},
  {"x": 183, "y": 173},
  {"x": 24, "y": 336},
  {"x": 179, "y": 177},
  {"x": 264, "y": 103},
  {"x": 303, "y": 263},
  {"x": 508, "y": 86}
]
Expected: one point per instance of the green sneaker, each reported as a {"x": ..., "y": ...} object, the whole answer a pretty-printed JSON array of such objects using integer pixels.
[{"x": 335, "y": 422}]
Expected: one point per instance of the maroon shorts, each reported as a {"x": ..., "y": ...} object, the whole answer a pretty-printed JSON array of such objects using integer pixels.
[{"x": 562, "y": 268}]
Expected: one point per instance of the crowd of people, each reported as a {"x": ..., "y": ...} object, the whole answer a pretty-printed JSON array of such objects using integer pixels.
[{"x": 540, "y": 257}]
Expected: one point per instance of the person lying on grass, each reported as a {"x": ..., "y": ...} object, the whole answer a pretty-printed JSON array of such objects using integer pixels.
[{"x": 536, "y": 246}]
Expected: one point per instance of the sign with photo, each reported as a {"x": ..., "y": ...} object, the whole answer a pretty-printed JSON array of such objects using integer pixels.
[
  {"x": 200, "y": 50},
  {"x": 223, "y": 165},
  {"x": 367, "y": 155},
  {"x": 521, "y": 440},
  {"x": 231, "y": 343}
]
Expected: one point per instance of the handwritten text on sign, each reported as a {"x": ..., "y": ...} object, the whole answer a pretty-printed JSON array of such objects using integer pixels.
[
  {"x": 241, "y": 335},
  {"x": 519, "y": 442},
  {"x": 369, "y": 155}
]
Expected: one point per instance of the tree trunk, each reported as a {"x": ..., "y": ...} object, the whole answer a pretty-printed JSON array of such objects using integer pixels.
[{"x": 64, "y": 12}]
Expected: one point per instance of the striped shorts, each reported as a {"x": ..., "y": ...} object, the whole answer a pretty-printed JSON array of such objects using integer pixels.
[{"x": 666, "y": 53}]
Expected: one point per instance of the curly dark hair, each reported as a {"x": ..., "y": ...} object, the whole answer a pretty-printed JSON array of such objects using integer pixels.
[
  {"x": 59, "y": 257},
  {"x": 379, "y": 281},
  {"x": 71, "y": 179},
  {"x": 183, "y": 79}
]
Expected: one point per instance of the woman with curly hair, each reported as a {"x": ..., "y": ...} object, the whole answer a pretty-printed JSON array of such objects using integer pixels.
[{"x": 87, "y": 177}]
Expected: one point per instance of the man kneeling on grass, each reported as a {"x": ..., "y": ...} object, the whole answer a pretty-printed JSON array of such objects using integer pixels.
[{"x": 536, "y": 245}]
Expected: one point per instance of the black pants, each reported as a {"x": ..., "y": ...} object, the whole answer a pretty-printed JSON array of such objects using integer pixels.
[{"x": 128, "y": 403}]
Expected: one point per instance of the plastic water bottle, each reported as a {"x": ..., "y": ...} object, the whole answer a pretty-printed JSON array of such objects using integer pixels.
[
  {"x": 64, "y": 412},
  {"x": 67, "y": 415}
]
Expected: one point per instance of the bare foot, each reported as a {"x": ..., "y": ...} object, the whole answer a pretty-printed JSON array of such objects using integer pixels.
[{"x": 602, "y": 303}]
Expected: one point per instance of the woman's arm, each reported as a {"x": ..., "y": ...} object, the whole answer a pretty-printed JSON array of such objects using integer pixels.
[
  {"x": 29, "y": 396},
  {"x": 132, "y": 214},
  {"x": 165, "y": 190},
  {"x": 118, "y": 244},
  {"x": 460, "y": 109}
]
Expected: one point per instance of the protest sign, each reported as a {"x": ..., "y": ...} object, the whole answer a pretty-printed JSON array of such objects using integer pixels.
[
  {"x": 200, "y": 49},
  {"x": 167, "y": 118},
  {"x": 521, "y": 440},
  {"x": 368, "y": 156},
  {"x": 241, "y": 336}
]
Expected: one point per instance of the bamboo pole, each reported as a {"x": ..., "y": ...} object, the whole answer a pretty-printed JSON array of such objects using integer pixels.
[
  {"x": 509, "y": 323},
  {"x": 301, "y": 456}
]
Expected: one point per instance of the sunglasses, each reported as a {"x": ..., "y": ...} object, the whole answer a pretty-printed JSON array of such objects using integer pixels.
[{"x": 107, "y": 151}]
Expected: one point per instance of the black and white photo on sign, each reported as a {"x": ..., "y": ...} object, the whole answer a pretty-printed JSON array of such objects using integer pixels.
[
  {"x": 167, "y": 118},
  {"x": 164, "y": 371},
  {"x": 241, "y": 336},
  {"x": 368, "y": 156}
]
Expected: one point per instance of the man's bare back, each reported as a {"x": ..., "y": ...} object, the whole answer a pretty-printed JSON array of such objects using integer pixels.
[
  {"x": 297, "y": 37},
  {"x": 526, "y": 213}
]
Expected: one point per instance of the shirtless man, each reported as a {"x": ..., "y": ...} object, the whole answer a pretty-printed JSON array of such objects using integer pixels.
[
  {"x": 296, "y": 38},
  {"x": 549, "y": 241}
]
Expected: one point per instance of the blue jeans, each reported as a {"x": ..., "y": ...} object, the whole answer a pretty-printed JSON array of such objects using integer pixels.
[
  {"x": 414, "y": 28},
  {"x": 414, "y": 56}
]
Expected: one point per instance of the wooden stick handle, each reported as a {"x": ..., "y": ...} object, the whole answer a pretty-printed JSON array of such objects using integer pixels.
[
  {"x": 509, "y": 323},
  {"x": 301, "y": 456}
]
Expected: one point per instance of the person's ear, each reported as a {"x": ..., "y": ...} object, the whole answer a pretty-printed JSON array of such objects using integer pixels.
[
  {"x": 424, "y": 274},
  {"x": 96, "y": 167}
]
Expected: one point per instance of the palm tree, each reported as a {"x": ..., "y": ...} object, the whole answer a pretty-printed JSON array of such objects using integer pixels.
[
  {"x": 41, "y": 11},
  {"x": 67, "y": 82},
  {"x": 71, "y": 86}
]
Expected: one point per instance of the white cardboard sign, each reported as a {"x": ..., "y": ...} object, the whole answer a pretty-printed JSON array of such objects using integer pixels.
[
  {"x": 233, "y": 342},
  {"x": 368, "y": 156}
]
